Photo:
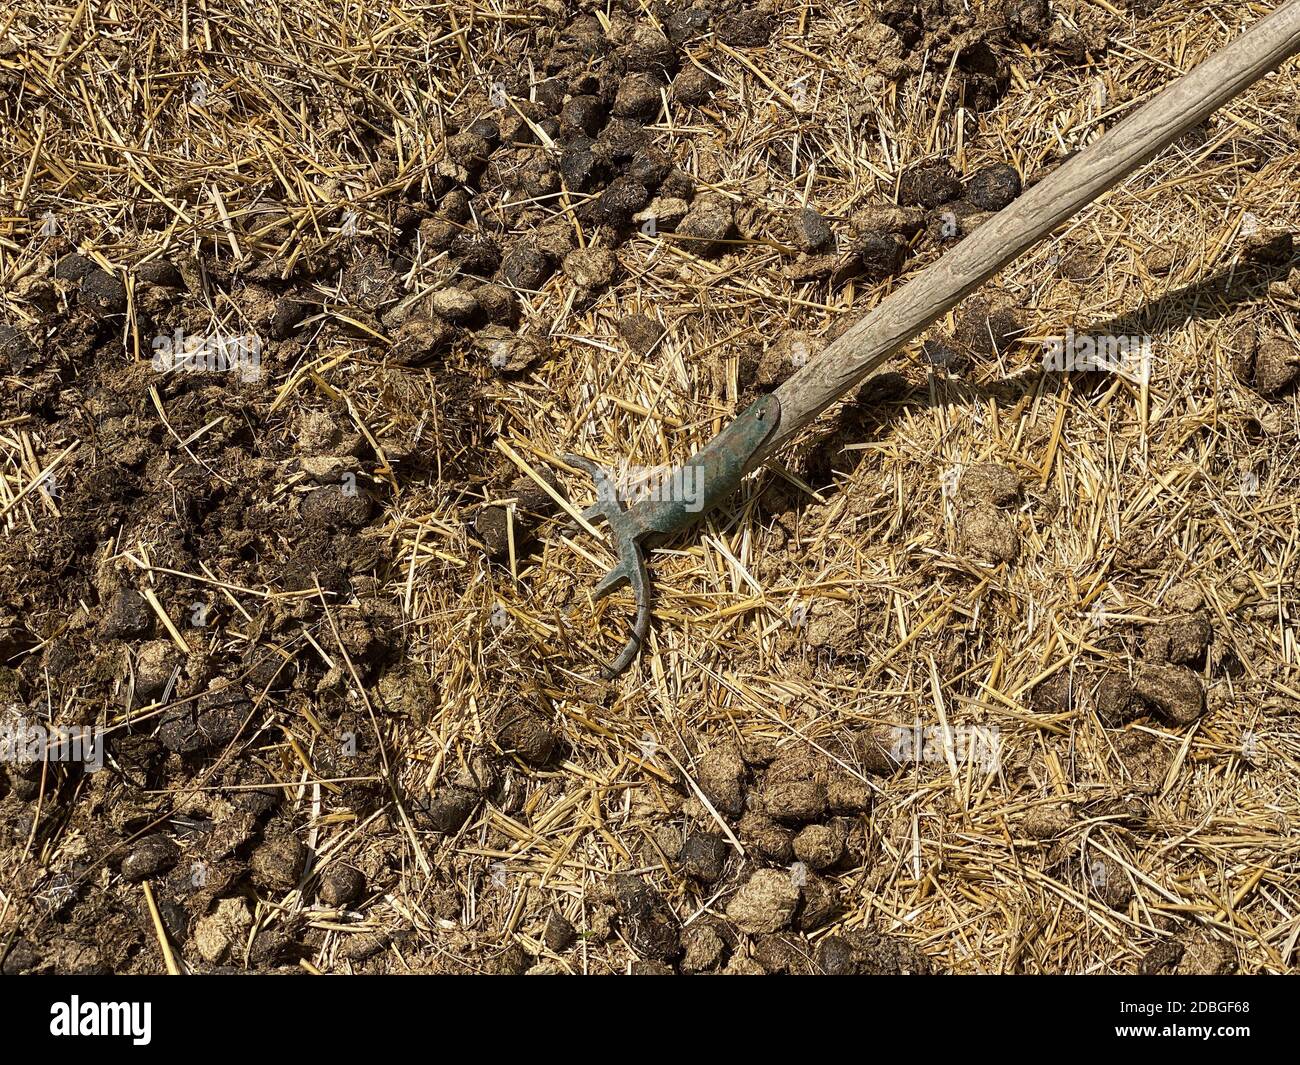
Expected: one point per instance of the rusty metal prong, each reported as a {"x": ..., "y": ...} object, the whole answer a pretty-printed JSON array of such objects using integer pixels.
[
  {"x": 607, "y": 500},
  {"x": 631, "y": 568}
]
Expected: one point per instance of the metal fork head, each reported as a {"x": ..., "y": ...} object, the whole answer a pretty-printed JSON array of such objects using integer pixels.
[
  {"x": 716, "y": 470},
  {"x": 627, "y": 531}
]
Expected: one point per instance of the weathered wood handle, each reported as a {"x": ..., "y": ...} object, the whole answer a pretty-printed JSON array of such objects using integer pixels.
[{"x": 1075, "y": 184}]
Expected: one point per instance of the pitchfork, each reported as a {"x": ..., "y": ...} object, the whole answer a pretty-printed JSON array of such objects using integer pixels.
[{"x": 773, "y": 419}]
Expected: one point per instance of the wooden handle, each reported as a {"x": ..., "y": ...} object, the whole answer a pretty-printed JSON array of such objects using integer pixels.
[{"x": 1075, "y": 184}]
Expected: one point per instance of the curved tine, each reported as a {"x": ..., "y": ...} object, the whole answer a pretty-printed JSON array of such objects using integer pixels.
[
  {"x": 606, "y": 490},
  {"x": 631, "y": 561},
  {"x": 613, "y": 580},
  {"x": 607, "y": 503},
  {"x": 633, "y": 566}
]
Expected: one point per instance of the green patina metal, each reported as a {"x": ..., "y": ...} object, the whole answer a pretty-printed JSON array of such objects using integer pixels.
[{"x": 701, "y": 483}]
